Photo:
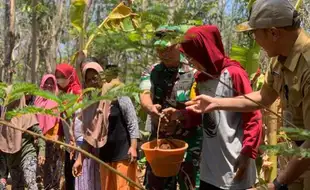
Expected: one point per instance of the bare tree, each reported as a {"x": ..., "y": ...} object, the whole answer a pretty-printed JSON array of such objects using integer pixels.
[
  {"x": 9, "y": 22},
  {"x": 51, "y": 44},
  {"x": 34, "y": 31}
]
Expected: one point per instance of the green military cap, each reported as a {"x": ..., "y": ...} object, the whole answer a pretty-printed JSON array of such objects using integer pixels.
[{"x": 168, "y": 35}]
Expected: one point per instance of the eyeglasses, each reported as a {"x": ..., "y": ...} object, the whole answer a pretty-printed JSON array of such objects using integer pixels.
[{"x": 251, "y": 34}]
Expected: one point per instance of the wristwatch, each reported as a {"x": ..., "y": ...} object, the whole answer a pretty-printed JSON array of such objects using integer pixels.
[{"x": 279, "y": 186}]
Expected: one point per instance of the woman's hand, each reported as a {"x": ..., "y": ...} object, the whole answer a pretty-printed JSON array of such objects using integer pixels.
[
  {"x": 202, "y": 104},
  {"x": 240, "y": 167},
  {"x": 172, "y": 114},
  {"x": 77, "y": 168},
  {"x": 132, "y": 152},
  {"x": 170, "y": 120},
  {"x": 270, "y": 186},
  {"x": 41, "y": 160}
]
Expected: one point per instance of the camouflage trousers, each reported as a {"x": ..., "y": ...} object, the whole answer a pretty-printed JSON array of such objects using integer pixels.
[
  {"x": 52, "y": 169},
  {"x": 3, "y": 166},
  {"x": 23, "y": 171}
]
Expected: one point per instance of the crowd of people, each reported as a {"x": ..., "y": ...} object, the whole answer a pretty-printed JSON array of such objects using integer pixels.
[{"x": 196, "y": 90}]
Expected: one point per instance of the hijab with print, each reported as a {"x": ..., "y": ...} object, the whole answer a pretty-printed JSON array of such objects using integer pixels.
[
  {"x": 96, "y": 117},
  {"x": 11, "y": 139},
  {"x": 47, "y": 122},
  {"x": 69, "y": 72},
  {"x": 204, "y": 44}
]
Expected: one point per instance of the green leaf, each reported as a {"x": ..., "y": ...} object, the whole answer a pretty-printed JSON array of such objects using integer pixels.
[
  {"x": 195, "y": 22},
  {"x": 282, "y": 149},
  {"x": 248, "y": 57},
  {"x": 296, "y": 133},
  {"x": 259, "y": 81},
  {"x": 134, "y": 36},
  {"x": 17, "y": 90},
  {"x": 77, "y": 9},
  {"x": 47, "y": 95},
  {"x": 128, "y": 25},
  {"x": 142, "y": 161},
  {"x": 28, "y": 110},
  {"x": 121, "y": 18}
]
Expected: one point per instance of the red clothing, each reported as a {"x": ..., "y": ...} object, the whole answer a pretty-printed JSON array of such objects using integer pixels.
[
  {"x": 204, "y": 44},
  {"x": 252, "y": 121},
  {"x": 73, "y": 87},
  {"x": 69, "y": 72}
]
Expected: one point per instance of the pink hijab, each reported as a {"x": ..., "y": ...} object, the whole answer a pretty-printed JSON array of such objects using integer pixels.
[
  {"x": 96, "y": 116},
  {"x": 46, "y": 122}
]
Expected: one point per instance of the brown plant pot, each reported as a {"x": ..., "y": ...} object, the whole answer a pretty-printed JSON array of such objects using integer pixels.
[{"x": 165, "y": 162}]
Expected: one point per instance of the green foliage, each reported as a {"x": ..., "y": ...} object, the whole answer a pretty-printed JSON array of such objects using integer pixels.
[
  {"x": 29, "y": 110},
  {"x": 142, "y": 161},
  {"x": 67, "y": 103},
  {"x": 120, "y": 19},
  {"x": 39, "y": 8},
  {"x": 285, "y": 148},
  {"x": 296, "y": 133},
  {"x": 250, "y": 4},
  {"x": 77, "y": 9},
  {"x": 15, "y": 91},
  {"x": 259, "y": 82},
  {"x": 248, "y": 57},
  {"x": 156, "y": 15},
  {"x": 281, "y": 149}
]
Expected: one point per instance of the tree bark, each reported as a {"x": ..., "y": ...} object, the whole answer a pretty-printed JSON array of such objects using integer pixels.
[
  {"x": 26, "y": 65},
  {"x": 56, "y": 25},
  {"x": 98, "y": 15},
  {"x": 273, "y": 124},
  {"x": 9, "y": 23},
  {"x": 34, "y": 3}
]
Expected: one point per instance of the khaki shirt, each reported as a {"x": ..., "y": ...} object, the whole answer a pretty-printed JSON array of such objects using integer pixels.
[{"x": 291, "y": 81}]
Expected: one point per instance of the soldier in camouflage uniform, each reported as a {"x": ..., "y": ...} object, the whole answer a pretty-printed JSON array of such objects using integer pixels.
[{"x": 170, "y": 84}]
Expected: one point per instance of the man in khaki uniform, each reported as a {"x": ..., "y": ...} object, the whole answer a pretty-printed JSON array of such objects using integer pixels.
[{"x": 275, "y": 25}]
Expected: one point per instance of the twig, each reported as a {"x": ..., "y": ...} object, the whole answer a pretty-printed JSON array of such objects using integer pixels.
[
  {"x": 188, "y": 179},
  {"x": 74, "y": 148}
]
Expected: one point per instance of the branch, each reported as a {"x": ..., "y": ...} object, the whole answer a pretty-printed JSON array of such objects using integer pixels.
[
  {"x": 3, "y": 122},
  {"x": 298, "y": 4}
]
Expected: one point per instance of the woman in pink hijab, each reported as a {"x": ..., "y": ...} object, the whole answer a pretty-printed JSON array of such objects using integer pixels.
[{"x": 50, "y": 126}]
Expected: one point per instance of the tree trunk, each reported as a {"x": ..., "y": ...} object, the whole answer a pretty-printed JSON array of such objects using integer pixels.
[
  {"x": 98, "y": 15},
  {"x": 56, "y": 25},
  {"x": 26, "y": 65},
  {"x": 9, "y": 24},
  {"x": 34, "y": 41}
]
